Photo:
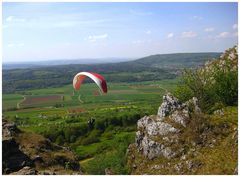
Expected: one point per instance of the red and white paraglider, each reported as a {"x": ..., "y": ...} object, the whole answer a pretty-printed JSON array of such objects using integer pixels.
[{"x": 97, "y": 78}]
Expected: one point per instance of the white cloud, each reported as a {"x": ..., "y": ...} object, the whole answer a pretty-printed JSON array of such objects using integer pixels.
[
  {"x": 94, "y": 38},
  {"x": 9, "y": 19},
  {"x": 223, "y": 35},
  {"x": 14, "y": 19},
  {"x": 227, "y": 35},
  {"x": 210, "y": 29},
  {"x": 148, "y": 32},
  {"x": 11, "y": 45},
  {"x": 139, "y": 42},
  {"x": 197, "y": 17},
  {"x": 235, "y": 26},
  {"x": 188, "y": 34},
  {"x": 72, "y": 23},
  {"x": 170, "y": 35},
  {"x": 55, "y": 21}
]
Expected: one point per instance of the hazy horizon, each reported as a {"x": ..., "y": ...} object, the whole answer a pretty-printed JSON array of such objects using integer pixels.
[
  {"x": 66, "y": 59},
  {"x": 100, "y": 59},
  {"x": 81, "y": 30}
]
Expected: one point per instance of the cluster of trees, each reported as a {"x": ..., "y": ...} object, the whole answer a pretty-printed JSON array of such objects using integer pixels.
[
  {"x": 215, "y": 85},
  {"x": 56, "y": 76},
  {"x": 90, "y": 133},
  {"x": 115, "y": 160}
]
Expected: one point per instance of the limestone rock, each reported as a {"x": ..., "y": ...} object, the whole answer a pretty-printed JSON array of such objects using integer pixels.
[
  {"x": 108, "y": 171},
  {"x": 26, "y": 171},
  {"x": 152, "y": 149},
  {"x": 180, "y": 117},
  {"x": 169, "y": 104},
  {"x": 156, "y": 133},
  {"x": 8, "y": 129},
  {"x": 219, "y": 112},
  {"x": 153, "y": 127}
]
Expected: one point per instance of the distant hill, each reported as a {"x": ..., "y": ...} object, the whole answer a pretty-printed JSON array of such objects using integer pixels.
[
  {"x": 177, "y": 60},
  {"x": 155, "y": 67},
  {"x": 38, "y": 64}
]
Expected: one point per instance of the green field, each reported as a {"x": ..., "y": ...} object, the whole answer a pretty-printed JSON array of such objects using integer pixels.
[
  {"x": 118, "y": 94},
  {"x": 65, "y": 121}
]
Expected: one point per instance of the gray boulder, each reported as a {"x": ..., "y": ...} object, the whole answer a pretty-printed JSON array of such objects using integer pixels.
[
  {"x": 156, "y": 133},
  {"x": 170, "y": 103},
  {"x": 154, "y": 127},
  {"x": 26, "y": 171},
  {"x": 152, "y": 149}
]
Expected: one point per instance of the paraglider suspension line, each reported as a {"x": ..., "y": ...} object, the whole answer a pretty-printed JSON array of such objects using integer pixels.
[{"x": 79, "y": 98}]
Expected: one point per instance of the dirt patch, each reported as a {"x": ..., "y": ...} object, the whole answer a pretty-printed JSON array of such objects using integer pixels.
[
  {"x": 76, "y": 110},
  {"x": 31, "y": 100}
]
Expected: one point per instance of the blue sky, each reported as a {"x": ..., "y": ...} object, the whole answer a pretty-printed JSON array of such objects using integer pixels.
[{"x": 45, "y": 31}]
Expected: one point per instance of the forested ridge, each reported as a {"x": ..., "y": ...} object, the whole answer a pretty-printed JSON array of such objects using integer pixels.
[{"x": 154, "y": 67}]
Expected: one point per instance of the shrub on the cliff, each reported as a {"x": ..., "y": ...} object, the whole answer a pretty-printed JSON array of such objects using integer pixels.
[
  {"x": 214, "y": 85},
  {"x": 226, "y": 86},
  {"x": 194, "y": 84}
]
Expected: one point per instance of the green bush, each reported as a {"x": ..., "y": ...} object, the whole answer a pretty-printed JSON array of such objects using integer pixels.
[
  {"x": 193, "y": 83},
  {"x": 114, "y": 158},
  {"x": 108, "y": 135},
  {"x": 226, "y": 86},
  {"x": 183, "y": 92},
  {"x": 93, "y": 137},
  {"x": 89, "y": 140},
  {"x": 60, "y": 140},
  {"x": 214, "y": 88},
  {"x": 100, "y": 124}
]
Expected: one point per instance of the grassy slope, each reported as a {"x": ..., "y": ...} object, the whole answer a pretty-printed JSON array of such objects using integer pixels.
[
  {"x": 35, "y": 145},
  {"x": 223, "y": 158}
]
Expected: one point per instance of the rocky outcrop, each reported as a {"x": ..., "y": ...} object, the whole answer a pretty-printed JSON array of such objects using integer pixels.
[
  {"x": 181, "y": 139},
  {"x": 9, "y": 129},
  {"x": 152, "y": 126},
  {"x": 156, "y": 132},
  {"x": 168, "y": 106},
  {"x": 13, "y": 158},
  {"x": 26, "y": 171},
  {"x": 108, "y": 171},
  {"x": 28, "y": 154}
]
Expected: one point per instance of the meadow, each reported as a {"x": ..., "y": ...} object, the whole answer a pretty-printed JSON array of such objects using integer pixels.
[{"x": 62, "y": 115}]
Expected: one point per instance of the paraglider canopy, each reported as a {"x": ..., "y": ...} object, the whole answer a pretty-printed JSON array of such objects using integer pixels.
[{"x": 97, "y": 78}]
